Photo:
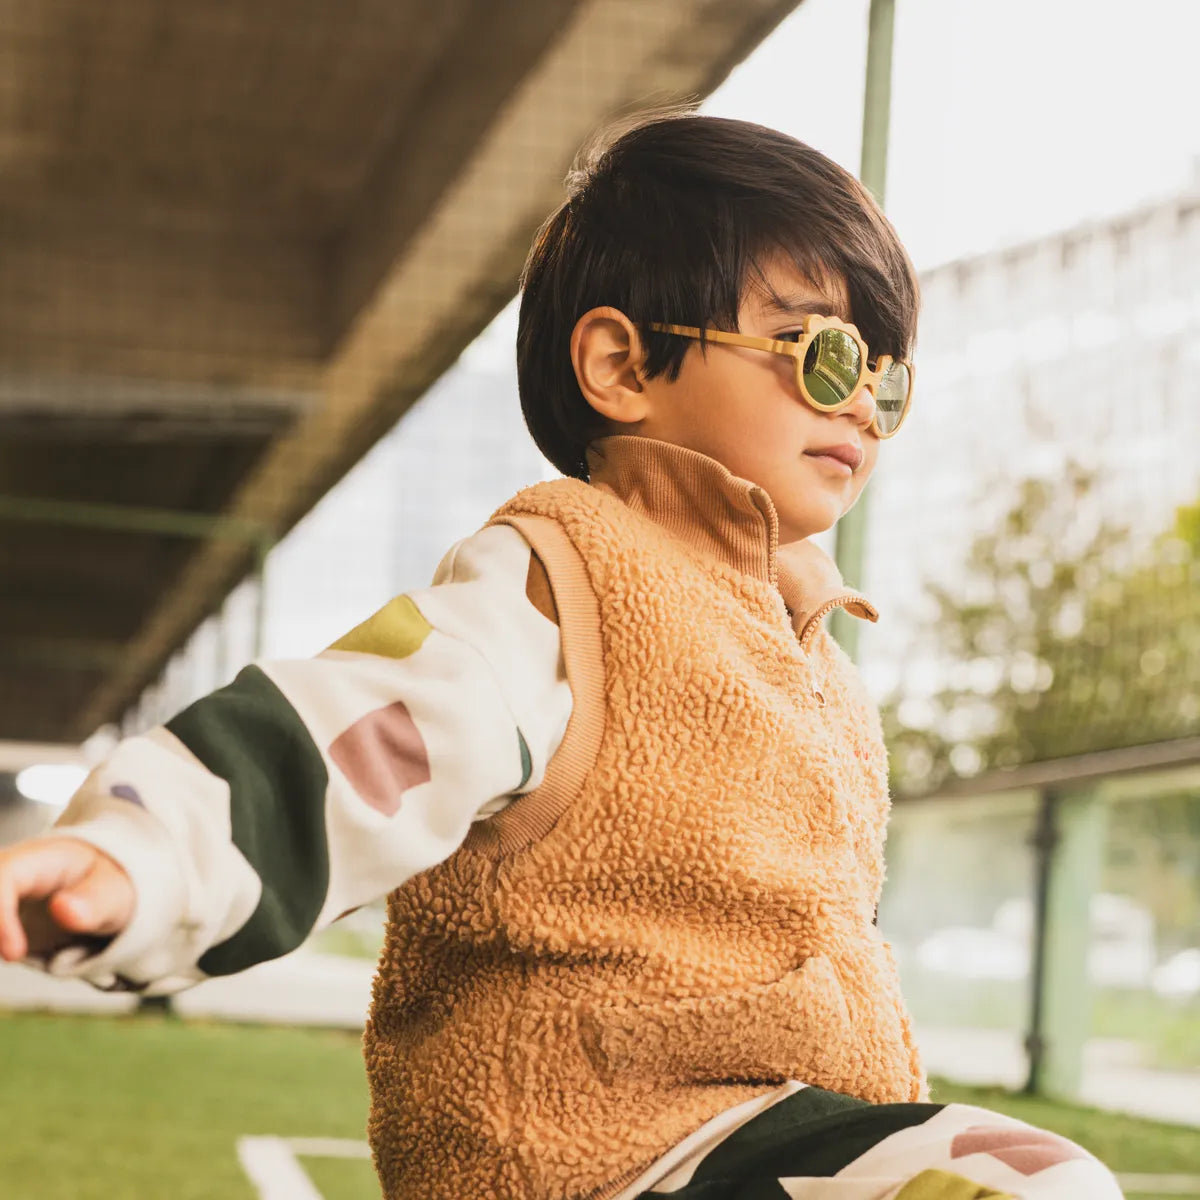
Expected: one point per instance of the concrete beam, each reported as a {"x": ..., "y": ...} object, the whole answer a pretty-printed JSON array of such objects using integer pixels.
[
  {"x": 226, "y": 408},
  {"x": 457, "y": 270},
  {"x": 88, "y": 295},
  {"x": 16, "y": 756},
  {"x": 471, "y": 84}
]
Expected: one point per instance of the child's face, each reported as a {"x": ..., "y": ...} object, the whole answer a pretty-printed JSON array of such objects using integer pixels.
[{"x": 743, "y": 408}]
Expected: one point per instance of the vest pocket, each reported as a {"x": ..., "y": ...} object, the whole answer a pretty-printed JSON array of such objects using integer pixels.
[{"x": 797, "y": 1027}]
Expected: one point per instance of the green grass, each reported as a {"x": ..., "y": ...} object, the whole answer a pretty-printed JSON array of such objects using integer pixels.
[
  {"x": 99, "y": 1108},
  {"x": 1170, "y": 1033},
  {"x": 348, "y": 942},
  {"x": 346, "y": 1179},
  {"x": 136, "y": 1108}
]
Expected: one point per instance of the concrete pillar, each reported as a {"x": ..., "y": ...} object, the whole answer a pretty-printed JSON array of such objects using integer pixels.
[{"x": 1070, "y": 844}]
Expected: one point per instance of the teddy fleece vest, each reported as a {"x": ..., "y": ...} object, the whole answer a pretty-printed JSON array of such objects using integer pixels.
[{"x": 681, "y": 916}]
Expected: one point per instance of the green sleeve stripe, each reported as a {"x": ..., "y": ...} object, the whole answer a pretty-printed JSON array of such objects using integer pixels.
[
  {"x": 526, "y": 761},
  {"x": 250, "y": 736},
  {"x": 811, "y": 1133}
]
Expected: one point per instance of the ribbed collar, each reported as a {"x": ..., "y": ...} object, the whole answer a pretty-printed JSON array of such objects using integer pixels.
[{"x": 699, "y": 501}]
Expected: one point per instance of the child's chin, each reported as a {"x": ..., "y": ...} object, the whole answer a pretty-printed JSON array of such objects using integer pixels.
[{"x": 809, "y": 525}]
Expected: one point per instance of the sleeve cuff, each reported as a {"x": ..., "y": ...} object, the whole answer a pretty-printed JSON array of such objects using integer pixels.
[{"x": 141, "y": 952}]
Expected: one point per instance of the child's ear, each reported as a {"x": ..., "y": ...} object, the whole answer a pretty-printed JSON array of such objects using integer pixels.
[{"x": 607, "y": 354}]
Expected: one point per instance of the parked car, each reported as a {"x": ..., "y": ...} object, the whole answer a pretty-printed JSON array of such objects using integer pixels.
[
  {"x": 1178, "y": 978},
  {"x": 973, "y": 953},
  {"x": 1120, "y": 955}
]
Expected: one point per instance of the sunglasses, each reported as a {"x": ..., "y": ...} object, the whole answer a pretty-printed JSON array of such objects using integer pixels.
[{"x": 831, "y": 366}]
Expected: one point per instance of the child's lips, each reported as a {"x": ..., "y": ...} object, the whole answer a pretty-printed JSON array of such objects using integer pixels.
[
  {"x": 844, "y": 452},
  {"x": 832, "y": 464},
  {"x": 844, "y": 459}
]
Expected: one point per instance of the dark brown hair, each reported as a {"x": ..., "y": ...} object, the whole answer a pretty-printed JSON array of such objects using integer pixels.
[{"x": 672, "y": 221}]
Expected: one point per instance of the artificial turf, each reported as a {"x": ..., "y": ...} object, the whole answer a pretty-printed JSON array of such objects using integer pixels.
[{"x": 140, "y": 1107}]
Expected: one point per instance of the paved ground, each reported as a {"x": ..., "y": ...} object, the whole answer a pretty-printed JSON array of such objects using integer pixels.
[
  {"x": 1113, "y": 1078},
  {"x": 306, "y": 988},
  {"x": 303, "y": 988}
]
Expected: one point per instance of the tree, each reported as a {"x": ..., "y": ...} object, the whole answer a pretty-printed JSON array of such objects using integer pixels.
[{"x": 1063, "y": 636}]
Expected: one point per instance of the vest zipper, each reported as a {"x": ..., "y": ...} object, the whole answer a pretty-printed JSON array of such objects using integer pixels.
[
  {"x": 813, "y": 623},
  {"x": 810, "y": 626}
]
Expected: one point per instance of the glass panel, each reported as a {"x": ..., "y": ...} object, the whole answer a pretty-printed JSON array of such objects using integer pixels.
[
  {"x": 1143, "y": 1049},
  {"x": 957, "y": 908}
]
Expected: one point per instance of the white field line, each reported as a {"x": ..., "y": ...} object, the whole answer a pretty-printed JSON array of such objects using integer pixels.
[
  {"x": 329, "y": 1148},
  {"x": 271, "y": 1163},
  {"x": 272, "y": 1167}
]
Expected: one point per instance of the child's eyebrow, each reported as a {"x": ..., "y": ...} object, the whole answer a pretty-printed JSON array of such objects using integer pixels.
[{"x": 801, "y": 305}]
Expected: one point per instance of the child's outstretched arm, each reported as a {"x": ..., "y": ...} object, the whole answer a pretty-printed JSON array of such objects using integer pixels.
[{"x": 302, "y": 790}]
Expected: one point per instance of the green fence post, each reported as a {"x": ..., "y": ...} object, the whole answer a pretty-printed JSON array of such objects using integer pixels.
[
  {"x": 850, "y": 533},
  {"x": 1070, "y": 844}
]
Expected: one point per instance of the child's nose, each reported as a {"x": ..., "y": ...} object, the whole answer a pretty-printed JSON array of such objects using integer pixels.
[{"x": 862, "y": 405}]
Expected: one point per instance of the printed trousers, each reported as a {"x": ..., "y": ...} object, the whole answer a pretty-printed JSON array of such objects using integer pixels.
[{"x": 819, "y": 1145}]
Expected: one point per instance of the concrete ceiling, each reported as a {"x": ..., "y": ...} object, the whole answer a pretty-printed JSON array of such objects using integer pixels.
[{"x": 237, "y": 242}]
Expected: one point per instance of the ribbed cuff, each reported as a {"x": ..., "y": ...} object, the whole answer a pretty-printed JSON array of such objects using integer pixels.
[{"x": 142, "y": 848}]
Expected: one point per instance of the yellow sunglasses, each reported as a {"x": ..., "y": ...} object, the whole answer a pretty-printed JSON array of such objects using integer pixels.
[{"x": 831, "y": 366}]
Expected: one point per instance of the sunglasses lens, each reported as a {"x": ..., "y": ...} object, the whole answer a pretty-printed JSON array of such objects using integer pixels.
[
  {"x": 891, "y": 398},
  {"x": 831, "y": 368}
]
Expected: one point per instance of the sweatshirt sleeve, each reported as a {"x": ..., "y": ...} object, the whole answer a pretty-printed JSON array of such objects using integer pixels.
[{"x": 304, "y": 789}]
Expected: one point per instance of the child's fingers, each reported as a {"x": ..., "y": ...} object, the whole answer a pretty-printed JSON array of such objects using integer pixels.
[
  {"x": 38, "y": 869},
  {"x": 101, "y": 902},
  {"x": 12, "y": 935},
  {"x": 44, "y": 936}
]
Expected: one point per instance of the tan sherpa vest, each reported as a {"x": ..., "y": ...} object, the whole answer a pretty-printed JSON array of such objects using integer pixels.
[{"x": 681, "y": 916}]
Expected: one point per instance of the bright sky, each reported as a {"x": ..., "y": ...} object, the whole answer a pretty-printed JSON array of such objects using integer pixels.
[{"x": 1010, "y": 118}]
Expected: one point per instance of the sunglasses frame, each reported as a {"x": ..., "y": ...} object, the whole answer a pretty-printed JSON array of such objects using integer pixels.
[{"x": 811, "y": 326}]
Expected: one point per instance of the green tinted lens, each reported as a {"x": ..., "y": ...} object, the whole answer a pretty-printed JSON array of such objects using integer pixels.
[
  {"x": 891, "y": 398},
  {"x": 832, "y": 367}
]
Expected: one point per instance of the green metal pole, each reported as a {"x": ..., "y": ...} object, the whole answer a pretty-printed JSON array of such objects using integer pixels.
[
  {"x": 1044, "y": 842},
  {"x": 850, "y": 534},
  {"x": 124, "y": 518},
  {"x": 262, "y": 549},
  {"x": 877, "y": 103},
  {"x": 121, "y": 518}
]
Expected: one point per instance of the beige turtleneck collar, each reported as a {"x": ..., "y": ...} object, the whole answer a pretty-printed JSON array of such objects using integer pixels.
[{"x": 698, "y": 500}]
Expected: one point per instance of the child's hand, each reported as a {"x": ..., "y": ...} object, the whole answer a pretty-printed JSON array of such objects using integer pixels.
[{"x": 56, "y": 892}]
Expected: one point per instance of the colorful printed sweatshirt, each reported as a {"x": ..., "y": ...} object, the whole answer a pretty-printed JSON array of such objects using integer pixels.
[
  {"x": 306, "y": 789},
  {"x": 439, "y": 732}
]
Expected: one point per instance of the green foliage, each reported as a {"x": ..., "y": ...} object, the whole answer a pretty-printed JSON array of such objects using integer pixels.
[
  {"x": 1064, "y": 636},
  {"x": 1154, "y": 854}
]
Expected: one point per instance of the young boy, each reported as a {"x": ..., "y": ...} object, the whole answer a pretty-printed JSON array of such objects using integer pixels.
[{"x": 625, "y": 793}]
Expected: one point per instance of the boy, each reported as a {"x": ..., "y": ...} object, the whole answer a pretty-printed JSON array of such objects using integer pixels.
[{"x": 626, "y": 795}]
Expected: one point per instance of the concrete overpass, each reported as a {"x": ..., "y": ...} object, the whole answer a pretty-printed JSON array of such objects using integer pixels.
[{"x": 237, "y": 242}]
